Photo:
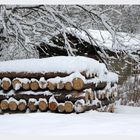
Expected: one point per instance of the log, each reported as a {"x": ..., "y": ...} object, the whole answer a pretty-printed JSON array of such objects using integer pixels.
[
  {"x": 4, "y": 105},
  {"x": 79, "y": 106},
  {"x": 22, "y": 105},
  {"x": 6, "y": 84},
  {"x": 16, "y": 84},
  {"x": 68, "y": 106},
  {"x": 74, "y": 96},
  {"x": 51, "y": 86},
  {"x": 60, "y": 85},
  {"x": 25, "y": 84},
  {"x": 13, "y": 104},
  {"x": 68, "y": 86},
  {"x": 53, "y": 104},
  {"x": 42, "y": 83},
  {"x": 101, "y": 85},
  {"x": 61, "y": 107},
  {"x": 34, "y": 85},
  {"x": 32, "y": 104},
  {"x": 26, "y": 95},
  {"x": 78, "y": 83},
  {"x": 43, "y": 104},
  {"x": 37, "y": 75}
]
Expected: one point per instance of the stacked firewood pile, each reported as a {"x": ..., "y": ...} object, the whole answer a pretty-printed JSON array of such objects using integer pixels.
[{"x": 60, "y": 92}]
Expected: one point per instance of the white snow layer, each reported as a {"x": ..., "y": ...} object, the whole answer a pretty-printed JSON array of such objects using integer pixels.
[
  {"x": 104, "y": 39},
  {"x": 124, "y": 122},
  {"x": 68, "y": 64}
]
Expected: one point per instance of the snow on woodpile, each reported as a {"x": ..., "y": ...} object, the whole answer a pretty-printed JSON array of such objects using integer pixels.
[
  {"x": 59, "y": 84},
  {"x": 63, "y": 64}
]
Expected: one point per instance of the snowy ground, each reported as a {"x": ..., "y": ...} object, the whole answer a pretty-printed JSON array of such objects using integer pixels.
[{"x": 123, "y": 123}]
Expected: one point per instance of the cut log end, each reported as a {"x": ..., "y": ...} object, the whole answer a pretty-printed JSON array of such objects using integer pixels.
[
  {"x": 22, "y": 106},
  {"x": 16, "y": 84},
  {"x": 13, "y": 106},
  {"x": 78, "y": 83},
  {"x": 43, "y": 105},
  {"x": 34, "y": 85},
  {"x": 68, "y": 106},
  {"x": 4, "y": 105},
  {"x": 51, "y": 86},
  {"x": 53, "y": 106},
  {"x": 68, "y": 86},
  {"x": 32, "y": 105},
  {"x": 6, "y": 85},
  {"x": 25, "y": 86},
  {"x": 61, "y": 108}
]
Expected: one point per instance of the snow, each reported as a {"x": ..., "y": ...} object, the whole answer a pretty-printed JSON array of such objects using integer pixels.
[
  {"x": 104, "y": 39},
  {"x": 124, "y": 122},
  {"x": 68, "y": 65}
]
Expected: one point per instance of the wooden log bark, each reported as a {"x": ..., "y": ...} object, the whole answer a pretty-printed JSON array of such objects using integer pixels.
[
  {"x": 22, "y": 105},
  {"x": 4, "y": 105},
  {"x": 25, "y": 84},
  {"x": 53, "y": 104},
  {"x": 6, "y": 84},
  {"x": 78, "y": 83},
  {"x": 68, "y": 86},
  {"x": 16, "y": 84},
  {"x": 32, "y": 104},
  {"x": 34, "y": 85},
  {"x": 26, "y": 95},
  {"x": 68, "y": 106},
  {"x": 13, "y": 104},
  {"x": 74, "y": 96},
  {"x": 61, "y": 107},
  {"x": 37, "y": 75},
  {"x": 101, "y": 86},
  {"x": 43, "y": 104}
]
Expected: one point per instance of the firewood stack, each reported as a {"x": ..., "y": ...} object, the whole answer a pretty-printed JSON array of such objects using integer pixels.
[{"x": 56, "y": 91}]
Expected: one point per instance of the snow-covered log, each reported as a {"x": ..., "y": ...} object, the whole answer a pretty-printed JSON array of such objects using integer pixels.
[
  {"x": 22, "y": 105},
  {"x": 68, "y": 86},
  {"x": 13, "y": 104},
  {"x": 61, "y": 107},
  {"x": 16, "y": 84},
  {"x": 43, "y": 104},
  {"x": 34, "y": 85},
  {"x": 53, "y": 104},
  {"x": 32, "y": 104},
  {"x": 78, "y": 83},
  {"x": 4, "y": 105},
  {"x": 25, "y": 84},
  {"x": 6, "y": 84},
  {"x": 68, "y": 106}
]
